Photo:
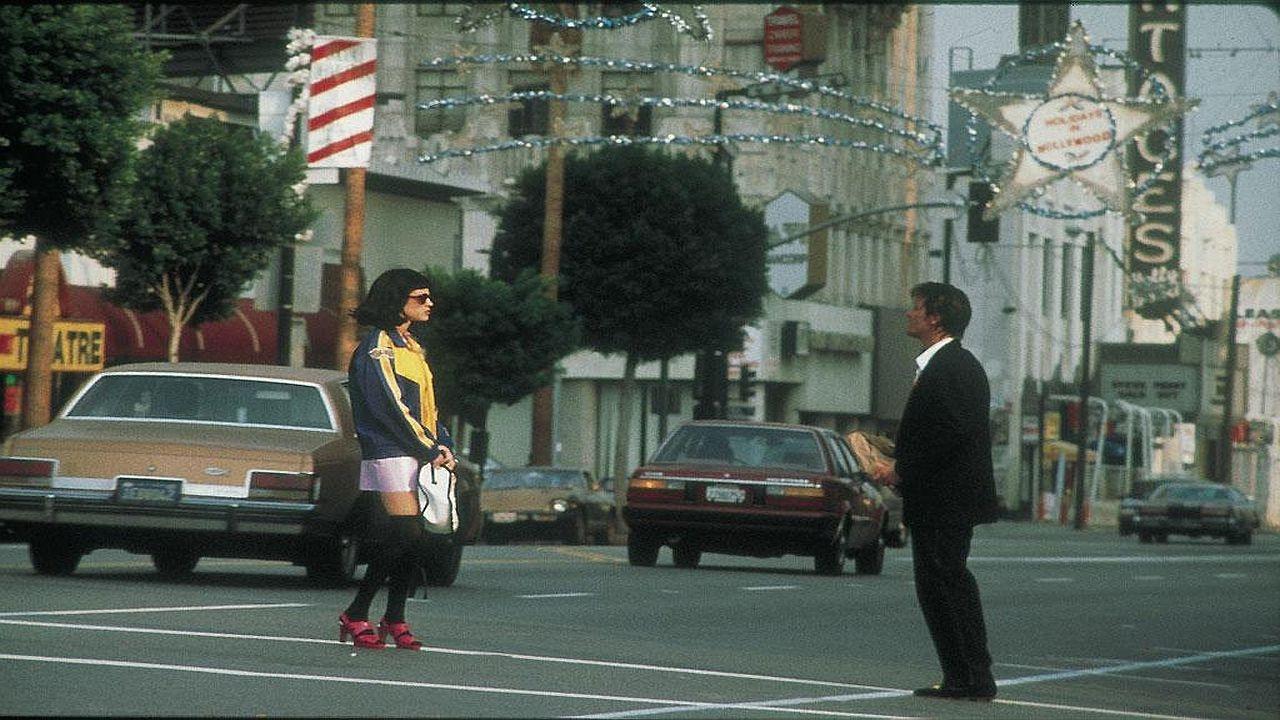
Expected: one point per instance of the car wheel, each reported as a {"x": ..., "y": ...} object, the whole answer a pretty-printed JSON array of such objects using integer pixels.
[
  {"x": 1144, "y": 537},
  {"x": 686, "y": 554},
  {"x": 54, "y": 555},
  {"x": 336, "y": 565},
  {"x": 870, "y": 559},
  {"x": 642, "y": 550},
  {"x": 576, "y": 532},
  {"x": 1241, "y": 538},
  {"x": 442, "y": 570},
  {"x": 174, "y": 564},
  {"x": 898, "y": 537},
  {"x": 830, "y": 559}
]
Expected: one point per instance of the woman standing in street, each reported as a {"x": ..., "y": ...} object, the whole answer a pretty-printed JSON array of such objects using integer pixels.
[{"x": 393, "y": 402}]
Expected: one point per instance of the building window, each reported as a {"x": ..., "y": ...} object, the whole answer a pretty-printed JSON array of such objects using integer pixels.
[
  {"x": 439, "y": 8},
  {"x": 630, "y": 120},
  {"x": 1066, "y": 279},
  {"x": 1046, "y": 287},
  {"x": 435, "y": 85},
  {"x": 339, "y": 9},
  {"x": 529, "y": 117}
]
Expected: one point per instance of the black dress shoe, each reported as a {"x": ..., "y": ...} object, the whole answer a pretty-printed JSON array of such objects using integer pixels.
[
  {"x": 950, "y": 692},
  {"x": 985, "y": 692}
]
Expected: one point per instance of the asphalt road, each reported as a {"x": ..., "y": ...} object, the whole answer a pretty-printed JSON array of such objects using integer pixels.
[{"x": 1082, "y": 625}]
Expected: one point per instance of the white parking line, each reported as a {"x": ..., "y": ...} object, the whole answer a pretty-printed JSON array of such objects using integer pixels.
[
  {"x": 1230, "y": 576},
  {"x": 181, "y": 608},
  {"x": 770, "y": 587},
  {"x": 1055, "y": 580},
  {"x": 418, "y": 684},
  {"x": 558, "y": 595}
]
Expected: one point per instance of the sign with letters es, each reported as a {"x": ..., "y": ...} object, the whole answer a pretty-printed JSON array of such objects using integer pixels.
[
  {"x": 1158, "y": 42},
  {"x": 77, "y": 347}
]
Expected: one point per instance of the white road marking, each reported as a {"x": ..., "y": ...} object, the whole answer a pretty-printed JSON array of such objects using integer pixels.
[
  {"x": 449, "y": 651},
  {"x": 182, "y": 608},
  {"x": 557, "y": 595},
  {"x": 769, "y": 587},
  {"x": 1125, "y": 559},
  {"x": 1055, "y": 580},
  {"x": 1148, "y": 577},
  {"x": 1230, "y": 576},
  {"x": 676, "y": 706},
  {"x": 203, "y": 669}
]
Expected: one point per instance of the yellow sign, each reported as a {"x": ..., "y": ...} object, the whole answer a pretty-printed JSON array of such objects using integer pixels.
[
  {"x": 1052, "y": 425},
  {"x": 77, "y": 347}
]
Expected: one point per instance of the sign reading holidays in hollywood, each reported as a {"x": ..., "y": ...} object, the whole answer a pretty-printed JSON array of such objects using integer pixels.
[{"x": 1071, "y": 131}]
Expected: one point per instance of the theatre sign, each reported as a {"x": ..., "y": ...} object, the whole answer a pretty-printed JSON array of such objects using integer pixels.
[
  {"x": 1157, "y": 42},
  {"x": 78, "y": 346}
]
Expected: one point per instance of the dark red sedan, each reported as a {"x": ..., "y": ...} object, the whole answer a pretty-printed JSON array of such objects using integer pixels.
[{"x": 755, "y": 489}]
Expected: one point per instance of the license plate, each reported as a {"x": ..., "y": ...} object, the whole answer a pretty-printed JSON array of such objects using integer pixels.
[
  {"x": 726, "y": 494},
  {"x": 503, "y": 517},
  {"x": 148, "y": 490}
]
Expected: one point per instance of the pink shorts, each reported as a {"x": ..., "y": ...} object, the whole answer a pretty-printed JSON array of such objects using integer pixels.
[{"x": 393, "y": 474}]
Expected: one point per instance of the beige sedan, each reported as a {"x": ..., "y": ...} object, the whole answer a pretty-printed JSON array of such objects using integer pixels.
[{"x": 189, "y": 460}]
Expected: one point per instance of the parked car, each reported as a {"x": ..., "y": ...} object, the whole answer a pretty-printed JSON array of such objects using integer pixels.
[
  {"x": 1193, "y": 509},
  {"x": 756, "y": 489},
  {"x": 190, "y": 460},
  {"x": 547, "y": 502}
]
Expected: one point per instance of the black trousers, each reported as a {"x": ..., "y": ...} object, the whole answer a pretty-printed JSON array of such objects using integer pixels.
[{"x": 951, "y": 603}]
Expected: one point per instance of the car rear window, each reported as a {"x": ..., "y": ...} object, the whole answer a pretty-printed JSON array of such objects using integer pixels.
[
  {"x": 507, "y": 479},
  {"x": 1191, "y": 493},
  {"x": 202, "y": 398},
  {"x": 746, "y": 446}
]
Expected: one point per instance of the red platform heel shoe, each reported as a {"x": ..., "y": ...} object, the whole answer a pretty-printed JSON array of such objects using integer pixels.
[
  {"x": 360, "y": 631},
  {"x": 400, "y": 631}
]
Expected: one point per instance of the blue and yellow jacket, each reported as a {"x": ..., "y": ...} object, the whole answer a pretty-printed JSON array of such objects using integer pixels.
[{"x": 393, "y": 399}]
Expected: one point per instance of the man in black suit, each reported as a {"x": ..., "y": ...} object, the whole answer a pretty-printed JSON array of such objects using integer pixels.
[{"x": 944, "y": 474}]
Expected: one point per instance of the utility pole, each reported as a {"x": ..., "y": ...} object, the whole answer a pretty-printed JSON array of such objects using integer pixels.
[
  {"x": 352, "y": 232},
  {"x": 1086, "y": 321},
  {"x": 542, "y": 450},
  {"x": 1228, "y": 400}
]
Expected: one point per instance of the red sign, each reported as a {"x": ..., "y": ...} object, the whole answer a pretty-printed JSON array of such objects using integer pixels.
[{"x": 783, "y": 38}]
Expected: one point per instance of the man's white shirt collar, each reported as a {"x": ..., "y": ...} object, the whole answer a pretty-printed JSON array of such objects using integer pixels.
[{"x": 923, "y": 358}]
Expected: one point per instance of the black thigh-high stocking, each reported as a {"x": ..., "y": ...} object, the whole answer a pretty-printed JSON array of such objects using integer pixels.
[{"x": 374, "y": 576}]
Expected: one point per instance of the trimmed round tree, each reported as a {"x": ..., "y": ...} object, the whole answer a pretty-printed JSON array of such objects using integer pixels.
[
  {"x": 659, "y": 257},
  {"x": 212, "y": 202}
]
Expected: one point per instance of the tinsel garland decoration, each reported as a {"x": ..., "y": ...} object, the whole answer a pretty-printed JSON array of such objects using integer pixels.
[
  {"x": 1222, "y": 153},
  {"x": 474, "y": 18}
]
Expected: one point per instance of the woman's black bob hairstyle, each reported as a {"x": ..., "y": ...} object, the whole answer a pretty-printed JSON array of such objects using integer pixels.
[{"x": 384, "y": 306}]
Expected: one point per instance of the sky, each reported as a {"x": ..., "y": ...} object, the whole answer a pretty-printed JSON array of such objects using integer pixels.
[{"x": 1227, "y": 86}]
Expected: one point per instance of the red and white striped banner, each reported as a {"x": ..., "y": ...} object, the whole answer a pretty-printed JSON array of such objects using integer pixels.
[{"x": 340, "y": 113}]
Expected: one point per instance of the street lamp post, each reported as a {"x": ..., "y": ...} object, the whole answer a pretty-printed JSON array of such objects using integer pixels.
[{"x": 1086, "y": 322}]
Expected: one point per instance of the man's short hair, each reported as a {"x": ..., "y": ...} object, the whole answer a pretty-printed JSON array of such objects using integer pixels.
[{"x": 948, "y": 302}]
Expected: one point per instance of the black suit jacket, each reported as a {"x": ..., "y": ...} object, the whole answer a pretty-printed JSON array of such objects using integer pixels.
[{"x": 943, "y": 447}]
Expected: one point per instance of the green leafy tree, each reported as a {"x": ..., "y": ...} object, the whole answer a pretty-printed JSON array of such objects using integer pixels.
[
  {"x": 492, "y": 342},
  {"x": 72, "y": 83},
  {"x": 1273, "y": 265},
  {"x": 211, "y": 204},
  {"x": 659, "y": 257}
]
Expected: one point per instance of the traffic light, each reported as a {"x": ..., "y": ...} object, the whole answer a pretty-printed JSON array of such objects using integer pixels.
[
  {"x": 745, "y": 390},
  {"x": 983, "y": 231}
]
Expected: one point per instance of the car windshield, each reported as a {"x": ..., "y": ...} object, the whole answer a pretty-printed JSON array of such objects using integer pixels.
[
  {"x": 204, "y": 399},
  {"x": 744, "y": 446},
  {"x": 1190, "y": 493},
  {"x": 507, "y": 479}
]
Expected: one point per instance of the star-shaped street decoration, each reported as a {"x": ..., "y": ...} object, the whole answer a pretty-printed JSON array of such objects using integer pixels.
[{"x": 1073, "y": 130}]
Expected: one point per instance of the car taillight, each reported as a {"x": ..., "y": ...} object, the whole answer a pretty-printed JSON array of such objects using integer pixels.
[
  {"x": 1153, "y": 509},
  {"x": 276, "y": 485},
  {"x": 26, "y": 472},
  {"x": 798, "y": 496}
]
